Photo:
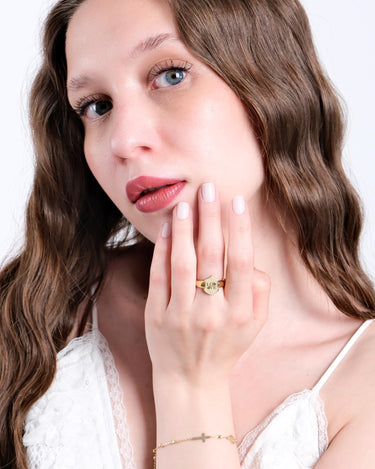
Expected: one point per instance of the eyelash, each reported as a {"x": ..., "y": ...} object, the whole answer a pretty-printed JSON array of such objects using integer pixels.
[
  {"x": 167, "y": 66},
  {"x": 82, "y": 104}
]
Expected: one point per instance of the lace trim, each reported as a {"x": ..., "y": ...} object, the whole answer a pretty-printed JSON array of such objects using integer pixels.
[
  {"x": 71, "y": 346},
  {"x": 117, "y": 402},
  {"x": 119, "y": 410},
  {"x": 322, "y": 422},
  {"x": 253, "y": 434}
]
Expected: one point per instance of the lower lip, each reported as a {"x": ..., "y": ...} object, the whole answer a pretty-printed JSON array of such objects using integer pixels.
[{"x": 159, "y": 199}]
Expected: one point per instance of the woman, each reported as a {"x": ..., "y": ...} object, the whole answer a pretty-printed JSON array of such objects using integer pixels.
[{"x": 210, "y": 128}]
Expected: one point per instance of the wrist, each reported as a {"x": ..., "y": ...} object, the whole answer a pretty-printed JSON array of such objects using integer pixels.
[
  {"x": 181, "y": 392},
  {"x": 184, "y": 409},
  {"x": 197, "y": 383}
]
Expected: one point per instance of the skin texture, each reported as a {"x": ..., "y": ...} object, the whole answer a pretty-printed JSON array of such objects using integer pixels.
[
  {"x": 199, "y": 363},
  {"x": 184, "y": 131}
]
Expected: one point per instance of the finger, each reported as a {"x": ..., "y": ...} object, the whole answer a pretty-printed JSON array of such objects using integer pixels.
[
  {"x": 261, "y": 296},
  {"x": 160, "y": 272},
  {"x": 183, "y": 258},
  {"x": 210, "y": 244},
  {"x": 238, "y": 287}
]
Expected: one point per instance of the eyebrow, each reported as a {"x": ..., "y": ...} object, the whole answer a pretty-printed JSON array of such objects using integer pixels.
[
  {"x": 147, "y": 45},
  {"x": 150, "y": 43},
  {"x": 75, "y": 84}
]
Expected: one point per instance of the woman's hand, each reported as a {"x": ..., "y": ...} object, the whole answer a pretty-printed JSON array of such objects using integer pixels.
[{"x": 194, "y": 337}]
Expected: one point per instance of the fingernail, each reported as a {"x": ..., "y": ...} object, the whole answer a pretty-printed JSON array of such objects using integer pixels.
[
  {"x": 208, "y": 192},
  {"x": 166, "y": 230},
  {"x": 182, "y": 210},
  {"x": 238, "y": 205}
]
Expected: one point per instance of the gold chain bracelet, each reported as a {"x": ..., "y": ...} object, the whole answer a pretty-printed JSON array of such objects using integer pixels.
[{"x": 203, "y": 437}]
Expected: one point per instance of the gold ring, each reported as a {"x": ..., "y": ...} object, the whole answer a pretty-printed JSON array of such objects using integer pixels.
[{"x": 210, "y": 285}]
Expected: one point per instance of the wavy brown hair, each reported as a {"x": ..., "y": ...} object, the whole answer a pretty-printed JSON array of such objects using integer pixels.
[{"x": 263, "y": 49}]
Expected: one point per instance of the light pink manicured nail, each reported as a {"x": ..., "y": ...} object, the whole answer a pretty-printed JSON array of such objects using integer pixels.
[
  {"x": 208, "y": 192},
  {"x": 182, "y": 210},
  {"x": 166, "y": 230},
  {"x": 238, "y": 205}
]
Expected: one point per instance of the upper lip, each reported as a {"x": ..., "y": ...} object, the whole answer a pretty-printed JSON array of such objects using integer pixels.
[{"x": 135, "y": 187}]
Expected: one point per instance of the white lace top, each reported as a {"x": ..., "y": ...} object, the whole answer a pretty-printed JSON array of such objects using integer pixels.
[{"x": 81, "y": 420}]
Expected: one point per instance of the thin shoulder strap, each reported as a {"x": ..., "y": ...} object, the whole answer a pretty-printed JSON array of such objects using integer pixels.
[
  {"x": 342, "y": 355},
  {"x": 94, "y": 317}
]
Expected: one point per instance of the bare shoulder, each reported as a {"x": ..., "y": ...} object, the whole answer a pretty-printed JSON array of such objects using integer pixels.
[
  {"x": 358, "y": 368},
  {"x": 349, "y": 393},
  {"x": 350, "y": 397}
]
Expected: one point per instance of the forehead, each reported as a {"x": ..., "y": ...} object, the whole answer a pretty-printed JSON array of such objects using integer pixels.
[{"x": 99, "y": 27}]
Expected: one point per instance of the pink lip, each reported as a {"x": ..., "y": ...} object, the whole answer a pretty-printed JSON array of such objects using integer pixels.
[{"x": 163, "y": 192}]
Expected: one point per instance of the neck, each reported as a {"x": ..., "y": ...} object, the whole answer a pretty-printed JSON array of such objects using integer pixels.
[{"x": 295, "y": 294}]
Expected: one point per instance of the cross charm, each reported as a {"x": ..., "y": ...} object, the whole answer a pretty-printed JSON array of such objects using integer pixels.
[{"x": 203, "y": 437}]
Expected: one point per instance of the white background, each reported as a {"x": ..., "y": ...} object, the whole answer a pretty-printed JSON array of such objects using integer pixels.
[{"x": 345, "y": 38}]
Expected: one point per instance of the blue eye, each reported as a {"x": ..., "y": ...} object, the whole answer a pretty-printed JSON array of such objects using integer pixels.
[
  {"x": 93, "y": 107},
  {"x": 96, "y": 109},
  {"x": 170, "y": 77}
]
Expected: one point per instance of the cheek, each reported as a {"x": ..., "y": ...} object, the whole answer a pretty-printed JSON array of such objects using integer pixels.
[
  {"x": 222, "y": 142},
  {"x": 90, "y": 150},
  {"x": 94, "y": 155},
  {"x": 99, "y": 163}
]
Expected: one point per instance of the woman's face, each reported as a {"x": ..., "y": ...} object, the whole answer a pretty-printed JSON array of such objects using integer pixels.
[{"x": 156, "y": 118}]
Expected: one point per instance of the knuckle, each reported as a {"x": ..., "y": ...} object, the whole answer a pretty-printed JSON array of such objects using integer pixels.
[
  {"x": 261, "y": 282},
  {"x": 157, "y": 277},
  {"x": 153, "y": 316},
  {"x": 208, "y": 323},
  {"x": 157, "y": 321},
  {"x": 241, "y": 263},
  {"x": 210, "y": 254},
  {"x": 178, "y": 324},
  {"x": 241, "y": 318},
  {"x": 182, "y": 269}
]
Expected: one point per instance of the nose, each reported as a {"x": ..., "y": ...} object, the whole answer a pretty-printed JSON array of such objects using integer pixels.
[{"x": 133, "y": 128}]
